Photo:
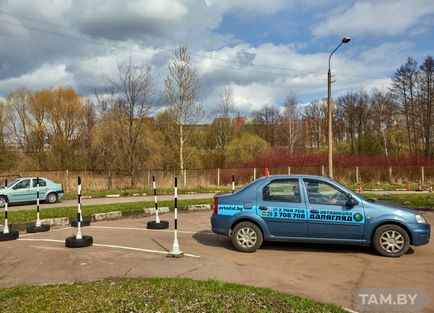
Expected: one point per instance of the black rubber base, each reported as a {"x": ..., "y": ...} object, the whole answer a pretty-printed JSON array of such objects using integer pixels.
[
  {"x": 12, "y": 235},
  {"x": 85, "y": 222},
  {"x": 40, "y": 229},
  {"x": 73, "y": 242},
  {"x": 155, "y": 225}
]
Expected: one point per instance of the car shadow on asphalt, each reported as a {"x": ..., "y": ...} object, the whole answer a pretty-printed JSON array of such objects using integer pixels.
[
  {"x": 321, "y": 247},
  {"x": 208, "y": 238}
]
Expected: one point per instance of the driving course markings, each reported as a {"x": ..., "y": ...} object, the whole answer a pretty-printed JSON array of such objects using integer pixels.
[
  {"x": 145, "y": 229},
  {"x": 109, "y": 246}
]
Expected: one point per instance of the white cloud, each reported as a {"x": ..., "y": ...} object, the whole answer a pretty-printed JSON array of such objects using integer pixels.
[
  {"x": 250, "y": 7},
  {"x": 264, "y": 81},
  {"x": 375, "y": 18},
  {"x": 46, "y": 76},
  {"x": 148, "y": 30}
]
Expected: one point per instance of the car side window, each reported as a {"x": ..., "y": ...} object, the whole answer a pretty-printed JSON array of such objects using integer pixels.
[
  {"x": 320, "y": 192},
  {"x": 42, "y": 183},
  {"x": 25, "y": 183},
  {"x": 282, "y": 190}
]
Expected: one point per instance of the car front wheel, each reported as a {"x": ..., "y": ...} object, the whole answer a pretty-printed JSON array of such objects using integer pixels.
[
  {"x": 52, "y": 197},
  {"x": 246, "y": 237},
  {"x": 391, "y": 241},
  {"x": 2, "y": 201}
]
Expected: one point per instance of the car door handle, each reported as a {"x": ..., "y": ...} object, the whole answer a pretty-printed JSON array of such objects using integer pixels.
[
  {"x": 314, "y": 211},
  {"x": 262, "y": 208}
]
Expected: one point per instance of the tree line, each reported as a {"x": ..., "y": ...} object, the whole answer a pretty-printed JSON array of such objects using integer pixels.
[{"x": 131, "y": 125}]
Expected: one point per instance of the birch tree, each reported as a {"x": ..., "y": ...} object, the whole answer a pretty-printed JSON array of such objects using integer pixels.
[{"x": 181, "y": 100}]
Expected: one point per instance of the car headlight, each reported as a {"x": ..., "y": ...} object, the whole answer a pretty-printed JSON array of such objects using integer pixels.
[{"x": 420, "y": 219}]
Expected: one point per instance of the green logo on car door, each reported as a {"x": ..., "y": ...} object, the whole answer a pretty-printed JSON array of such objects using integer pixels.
[{"x": 358, "y": 217}]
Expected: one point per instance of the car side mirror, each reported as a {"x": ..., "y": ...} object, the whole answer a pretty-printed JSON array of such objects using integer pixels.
[{"x": 351, "y": 202}]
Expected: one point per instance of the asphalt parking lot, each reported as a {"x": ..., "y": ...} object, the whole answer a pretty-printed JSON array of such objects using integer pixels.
[{"x": 125, "y": 248}]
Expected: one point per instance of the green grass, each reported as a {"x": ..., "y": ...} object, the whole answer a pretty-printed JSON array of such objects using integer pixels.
[
  {"x": 154, "y": 295},
  {"x": 412, "y": 200},
  {"x": 387, "y": 186},
  {"x": 30, "y": 215},
  {"x": 131, "y": 192},
  {"x": 421, "y": 200},
  {"x": 212, "y": 189}
]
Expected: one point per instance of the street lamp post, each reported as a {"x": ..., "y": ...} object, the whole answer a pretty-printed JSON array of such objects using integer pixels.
[{"x": 346, "y": 39}]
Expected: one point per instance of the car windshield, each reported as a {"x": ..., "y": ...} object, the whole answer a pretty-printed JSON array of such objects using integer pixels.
[
  {"x": 358, "y": 195},
  {"x": 367, "y": 199},
  {"x": 10, "y": 182}
]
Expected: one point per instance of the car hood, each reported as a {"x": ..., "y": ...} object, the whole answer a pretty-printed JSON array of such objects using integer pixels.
[{"x": 395, "y": 207}]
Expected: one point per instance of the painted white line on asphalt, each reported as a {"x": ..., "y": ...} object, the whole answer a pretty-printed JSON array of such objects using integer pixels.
[
  {"x": 110, "y": 246},
  {"x": 137, "y": 228},
  {"x": 139, "y": 249},
  {"x": 349, "y": 310},
  {"x": 52, "y": 230}
]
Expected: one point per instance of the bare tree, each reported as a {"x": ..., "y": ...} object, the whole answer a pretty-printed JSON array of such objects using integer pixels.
[
  {"x": 315, "y": 124},
  {"x": 181, "y": 100},
  {"x": 226, "y": 107},
  {"x": 426, "y": 102},
  {"x": 404, "y": 87},
  {"x": 223, "y": 128},
  {"x": 384, "y": 118},
  {"x": 129, "y": 99},
  {"x": 290, "y": 121},
  {"x": 19, "y": 119},
  {"x": 3, "y": 125},
  {"x": 354, "y": 107},
  {"x": 266, "y": 122}
]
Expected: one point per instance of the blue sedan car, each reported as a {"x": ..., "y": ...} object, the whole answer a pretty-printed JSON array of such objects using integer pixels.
[
  {"x": 23, "y": 189},
  {"x": 314, "y": 209}
]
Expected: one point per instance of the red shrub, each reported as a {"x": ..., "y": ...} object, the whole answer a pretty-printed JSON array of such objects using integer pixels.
[{"x": 281, "y": 157}]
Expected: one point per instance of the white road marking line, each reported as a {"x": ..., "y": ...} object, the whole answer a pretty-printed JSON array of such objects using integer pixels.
[
  {"x": 42, "y": 239},
  {"x": 137, "y": 228},
  {"x": 110, "y": 246},
  {"x": 52, "y": 230},
  {"x": 349, "y": 310}
]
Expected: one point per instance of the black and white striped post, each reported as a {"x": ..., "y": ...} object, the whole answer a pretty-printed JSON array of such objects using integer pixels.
[
  {"x": 233, "y": 183},
  {"x": 38, "y": 227},
  {"x": 157, "y": 224},
  {"x": 176, "y": 252},
  {"x": 78, "y": 240},
  {"x": 7, "y": 234},
  {"x": 83, "y": 221}
]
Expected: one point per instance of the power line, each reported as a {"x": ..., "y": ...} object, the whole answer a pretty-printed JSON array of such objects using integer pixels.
[
  {"x": 111, "y": 37},
  {"x": 274, "y": 70}
]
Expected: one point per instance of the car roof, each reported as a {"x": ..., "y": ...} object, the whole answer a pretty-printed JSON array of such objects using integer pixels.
[
  {"x": 33, "y": 177},
  {"x": 297, "y": 176}
]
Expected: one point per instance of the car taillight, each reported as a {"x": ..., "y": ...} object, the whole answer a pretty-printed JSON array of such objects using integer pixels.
[{"x": 216, "y": 205}]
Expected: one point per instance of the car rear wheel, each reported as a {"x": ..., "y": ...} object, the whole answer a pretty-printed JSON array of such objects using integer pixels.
[
  {"x": 246, "y": 237},
  {"x": 391, "y": 241},
  {"x": 52, "y": 197},
  {"x": 2, "y": 201}
]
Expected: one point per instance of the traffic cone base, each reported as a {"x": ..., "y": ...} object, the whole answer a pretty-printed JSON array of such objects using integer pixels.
[{"x": 175, "y": 252}]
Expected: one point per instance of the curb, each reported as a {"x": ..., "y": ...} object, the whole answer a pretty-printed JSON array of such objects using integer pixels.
[
  {"x": 199, "y": 207},
  {"x": 107, "y": 216}
]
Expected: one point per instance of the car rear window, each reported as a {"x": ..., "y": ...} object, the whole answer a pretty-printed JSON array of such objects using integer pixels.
[
  {"x": 282, "y": 190},
  {"x": 42, "y": 183}
]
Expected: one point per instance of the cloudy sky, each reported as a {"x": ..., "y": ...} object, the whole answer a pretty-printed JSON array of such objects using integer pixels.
[{"x": 262, "y": 49}]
